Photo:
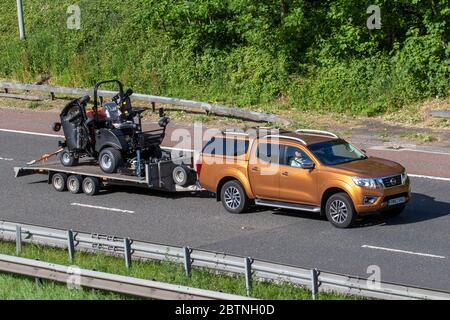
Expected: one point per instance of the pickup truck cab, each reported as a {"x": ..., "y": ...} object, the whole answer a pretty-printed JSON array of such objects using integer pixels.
[{"x": 305, "y": 170}]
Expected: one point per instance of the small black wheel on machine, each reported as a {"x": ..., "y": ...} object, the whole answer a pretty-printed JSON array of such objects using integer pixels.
[
  {"x": 110, "y": 160},
  {"x": 67, "y": 159}
]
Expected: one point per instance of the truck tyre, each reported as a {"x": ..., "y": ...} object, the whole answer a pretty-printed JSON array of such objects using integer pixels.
[
  {"x": 74, "y": 183},
  {"x": 181, "y": 176},
  {"x": 233, "y": 197},
  {"x": 59, "y": 181},
  {"x": 340, "y": 210},
  {"x": 110, "y": 160},
  {"x": 91, "y": 186},
  {"x": 67, "y": 159}
]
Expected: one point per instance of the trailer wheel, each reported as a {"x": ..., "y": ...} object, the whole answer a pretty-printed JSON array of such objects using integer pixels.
[
  {"x": 74, "y": 183},
  {"x": 110, "y": 160},
  {"x": 67, "y": 159},
  {"x": 59, "y": 181},
  {"x": 91, "y": 186}
]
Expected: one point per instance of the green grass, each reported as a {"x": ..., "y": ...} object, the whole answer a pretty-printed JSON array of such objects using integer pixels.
[
  {"x": 18, "y": 287},
  {"x": 13, "y": 287}
]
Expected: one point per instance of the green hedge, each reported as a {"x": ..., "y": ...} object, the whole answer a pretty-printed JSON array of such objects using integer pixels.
[{"x": 318, "y": 55}]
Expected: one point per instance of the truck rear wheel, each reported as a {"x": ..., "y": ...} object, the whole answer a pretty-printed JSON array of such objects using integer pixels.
[
  {"x": 340, "y": 210},
  {"x": 91, "y": 186},
  {"x": 233, "y": 197},
  {"x": 59, "y": 181},
  {"x": 74, "y": 183}
]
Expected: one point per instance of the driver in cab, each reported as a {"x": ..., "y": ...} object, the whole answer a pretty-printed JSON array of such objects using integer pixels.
[{"x": 297, "y": 161}]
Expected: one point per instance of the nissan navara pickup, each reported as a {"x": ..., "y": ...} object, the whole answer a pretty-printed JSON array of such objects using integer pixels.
[{"x": 306, "y": 170}]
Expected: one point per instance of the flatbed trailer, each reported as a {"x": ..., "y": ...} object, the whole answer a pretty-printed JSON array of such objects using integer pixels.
[{"x": 158, "y": 176}]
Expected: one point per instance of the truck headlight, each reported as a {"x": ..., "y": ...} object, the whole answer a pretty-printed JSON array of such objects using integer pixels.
[{"x": 369, "y": 183}]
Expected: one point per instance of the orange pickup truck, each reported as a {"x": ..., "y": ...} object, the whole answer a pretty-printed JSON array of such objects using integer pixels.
[{"x": 307, "y": 170}]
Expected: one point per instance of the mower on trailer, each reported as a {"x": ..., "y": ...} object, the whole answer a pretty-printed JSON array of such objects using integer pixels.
[{"x": 111, "y": 133}]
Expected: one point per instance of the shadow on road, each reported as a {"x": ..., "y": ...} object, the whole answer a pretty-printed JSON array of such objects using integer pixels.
[
  {"x": 157, "y": 193},
  {"x": 421, "y": 208}
]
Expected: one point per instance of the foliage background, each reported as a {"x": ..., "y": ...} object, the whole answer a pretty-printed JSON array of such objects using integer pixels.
[{"x": 301, "y": 54}]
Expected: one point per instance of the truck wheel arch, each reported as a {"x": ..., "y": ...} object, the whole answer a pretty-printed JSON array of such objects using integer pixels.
[
  {"x": 328, "y": 193},
  {"x": 229, "y": 178}
]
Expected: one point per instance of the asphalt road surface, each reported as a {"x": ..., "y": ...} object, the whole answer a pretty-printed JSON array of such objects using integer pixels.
[{"x": 412, "y": 249}]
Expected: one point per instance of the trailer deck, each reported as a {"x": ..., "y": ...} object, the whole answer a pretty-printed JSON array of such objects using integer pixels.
[
  {"x": 157, "y": 176},
  {"x": 84, "y": 169}
]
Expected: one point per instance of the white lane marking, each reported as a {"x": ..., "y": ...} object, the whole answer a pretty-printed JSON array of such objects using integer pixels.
[
  {"x": 33, "y": 133},
  {"x": 100, "y": 208},
  {"x": 428, "y": 177},
  {"x": 6, "y": 159},
  {"x": 404, "y": 251},
  {"x": 383, "y": 148}
]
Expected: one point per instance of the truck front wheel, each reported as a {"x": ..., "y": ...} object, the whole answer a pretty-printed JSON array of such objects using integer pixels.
[
  {"x": 233, "y": 197},
  {"x": 340, "y": 210}
]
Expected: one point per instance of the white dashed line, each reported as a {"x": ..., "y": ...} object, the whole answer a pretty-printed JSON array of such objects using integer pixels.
[
  {"x": 101, "y": 208},
  {"x": 428, "y": 177},
  {"x": 404, "y": 251},
  {"x": 32, "y": 133},
  {"x": 6, "y": 159}
]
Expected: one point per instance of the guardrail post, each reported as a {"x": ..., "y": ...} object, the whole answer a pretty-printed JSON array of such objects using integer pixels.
[
  {"x": 187, "y": 261},
  {"x": 314, "y": 283},
  {"x": 52, "y": 96},
  {"x": 18, "y": 240},
  {"x": 21, "y": 22},
  {"x": 153, "y": 107},
  {"x": 70, "y": 245},
  {"x": 127, "y": 252},
  {"x": 248, "y": 275}
]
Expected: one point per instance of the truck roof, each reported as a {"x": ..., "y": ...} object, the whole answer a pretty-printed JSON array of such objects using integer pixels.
[{"x": 305, "y": 136}]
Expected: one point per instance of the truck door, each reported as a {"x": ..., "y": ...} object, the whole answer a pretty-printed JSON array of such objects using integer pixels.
[
  {"x": 297, "y": 183},
  {"x": 264, "y": 170}
]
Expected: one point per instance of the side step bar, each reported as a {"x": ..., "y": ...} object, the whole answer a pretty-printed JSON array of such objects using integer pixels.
[{"x": 287, "y": 205}]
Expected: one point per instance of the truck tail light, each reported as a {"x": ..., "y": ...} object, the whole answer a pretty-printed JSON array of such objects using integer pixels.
[{"x": 198, "y": 167}]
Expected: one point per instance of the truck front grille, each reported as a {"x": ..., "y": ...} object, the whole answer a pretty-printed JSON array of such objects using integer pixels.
[{"x": 392, "y": 181}]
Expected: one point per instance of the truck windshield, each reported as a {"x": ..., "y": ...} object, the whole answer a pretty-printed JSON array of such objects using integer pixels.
[{"x": 336, "y": 152}]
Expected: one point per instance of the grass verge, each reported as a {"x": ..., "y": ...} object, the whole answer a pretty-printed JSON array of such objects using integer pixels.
[{"x": 18, "y": 287}]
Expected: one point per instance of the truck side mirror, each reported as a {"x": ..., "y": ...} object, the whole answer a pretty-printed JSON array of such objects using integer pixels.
[{"x": 309, "y": 165}]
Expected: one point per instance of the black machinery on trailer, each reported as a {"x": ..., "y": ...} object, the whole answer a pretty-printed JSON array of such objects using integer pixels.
[{"x": 107, "y": 145}]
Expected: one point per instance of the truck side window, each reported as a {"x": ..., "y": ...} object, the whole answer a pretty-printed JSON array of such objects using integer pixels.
[
  {"x": 295, "y": 157},
  {"x": 268, "y": 152},
  {"x": 228, "y": 147}
]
